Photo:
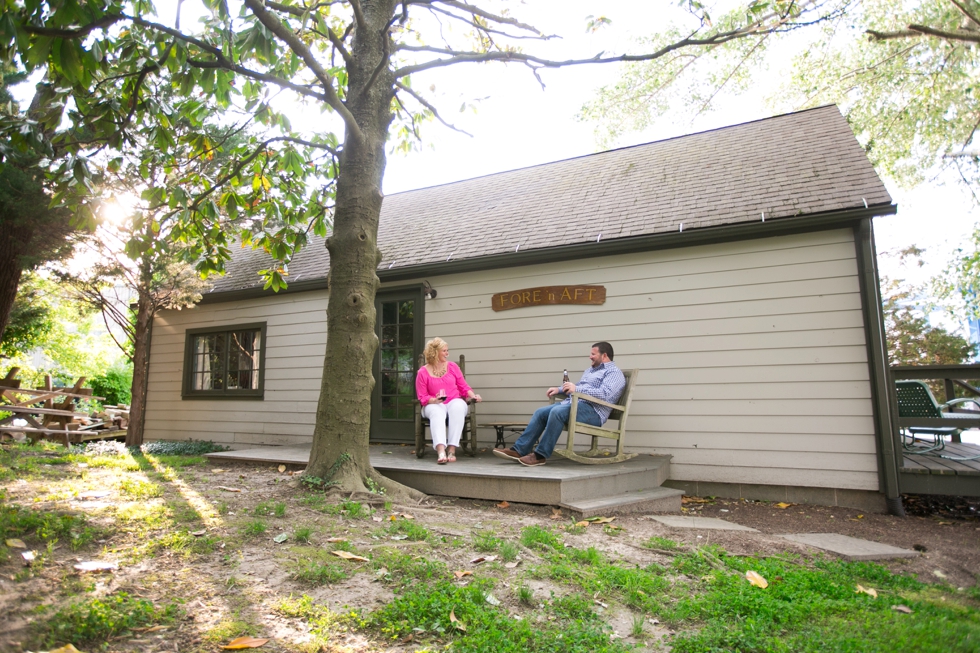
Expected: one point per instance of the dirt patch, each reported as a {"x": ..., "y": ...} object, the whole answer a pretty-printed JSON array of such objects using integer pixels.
[{"x": 241, "y": 578}]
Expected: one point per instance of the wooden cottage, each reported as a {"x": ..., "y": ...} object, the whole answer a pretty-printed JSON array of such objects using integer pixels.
[{"x": 738, "y": 270}]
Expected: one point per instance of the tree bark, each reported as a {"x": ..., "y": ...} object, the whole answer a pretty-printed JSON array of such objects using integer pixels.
[
  {"x": 141, "y": 368},
  {"x": 340, "y": 438},
  {"x": 10, "y": 272}
]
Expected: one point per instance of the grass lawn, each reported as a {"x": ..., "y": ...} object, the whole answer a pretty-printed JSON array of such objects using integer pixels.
[{"x": 205, "y": 555}]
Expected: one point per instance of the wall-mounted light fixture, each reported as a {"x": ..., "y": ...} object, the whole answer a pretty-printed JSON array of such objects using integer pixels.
[{"x": 430, "y": 292}]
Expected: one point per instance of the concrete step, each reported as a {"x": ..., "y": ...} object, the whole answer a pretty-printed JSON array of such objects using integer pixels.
[{"x": 660, "y": 499}]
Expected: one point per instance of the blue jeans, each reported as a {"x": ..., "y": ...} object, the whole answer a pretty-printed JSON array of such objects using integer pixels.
[{"x": 546, "y": 426}]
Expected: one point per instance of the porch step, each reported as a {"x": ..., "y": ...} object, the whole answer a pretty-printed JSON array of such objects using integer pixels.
[{"x": 657, "y": 500}]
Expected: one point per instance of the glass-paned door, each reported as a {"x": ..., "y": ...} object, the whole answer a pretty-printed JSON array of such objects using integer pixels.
[{"x": 400, "y": 325}]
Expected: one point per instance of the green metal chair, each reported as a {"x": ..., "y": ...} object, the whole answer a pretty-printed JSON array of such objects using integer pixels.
[{"x": 917, "y": 404}]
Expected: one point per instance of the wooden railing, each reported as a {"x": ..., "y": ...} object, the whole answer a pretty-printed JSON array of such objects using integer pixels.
[{"x": 952, "y": 377}]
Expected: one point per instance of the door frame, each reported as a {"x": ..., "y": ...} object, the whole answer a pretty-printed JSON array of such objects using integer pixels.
[{"x": 415, "y": 292}]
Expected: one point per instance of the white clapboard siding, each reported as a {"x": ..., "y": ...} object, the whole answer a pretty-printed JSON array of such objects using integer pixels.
[
  {"x": 752, "y": 355},
  {"x": 296, "y": 336}
]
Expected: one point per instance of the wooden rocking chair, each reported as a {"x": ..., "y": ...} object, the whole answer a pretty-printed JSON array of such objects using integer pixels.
[{"x": 595, "y": 456}]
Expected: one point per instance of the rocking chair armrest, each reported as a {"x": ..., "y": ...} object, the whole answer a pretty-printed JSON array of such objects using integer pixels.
[{"x": 581, "y": 396}]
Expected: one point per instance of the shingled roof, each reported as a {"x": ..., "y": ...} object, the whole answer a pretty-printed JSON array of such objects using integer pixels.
[{"x": 785, "y": 167}]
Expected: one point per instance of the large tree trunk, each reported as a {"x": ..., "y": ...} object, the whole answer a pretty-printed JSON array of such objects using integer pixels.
[
  {"x": 340, "y": 438},
  {"x": 10, "y": 271},
  {"x": 141, "y": 369}
]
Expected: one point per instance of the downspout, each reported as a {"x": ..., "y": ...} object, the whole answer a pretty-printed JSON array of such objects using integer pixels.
[{"x": 882, "y": 402}]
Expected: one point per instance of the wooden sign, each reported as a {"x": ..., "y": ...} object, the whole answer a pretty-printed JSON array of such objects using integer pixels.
[{"x": 504, "y": 301}]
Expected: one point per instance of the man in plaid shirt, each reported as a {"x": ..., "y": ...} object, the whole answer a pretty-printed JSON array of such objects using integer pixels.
[{"x": 603, "y": 381}]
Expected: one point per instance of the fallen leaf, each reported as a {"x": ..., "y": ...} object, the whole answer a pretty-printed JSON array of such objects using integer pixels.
[
  {"x": 399, "y": 537},
  {"x": 512, "y": 565},
  {"x": 904, "y": 609},
  {"x": 460, "y": 574},
  {"x": 14, "y": 543},
  {"x": 409, "y": 637},
  {"x": 393, "y": 518},
  {"x": 199, "y": 533},
  {"x": 583, "y": 523},
  {"x": 482, "y": 559},
  {"x": 282, "y": 537},
  {"x": 96, "y": 566},
  {"x": 755, "y": 578},
  {"x": 347, "y": 555},
  {"x": 377, "y": 518},
  {"x": 336, "y": 539},
  {"x": 153, "y": 629},
  {"x": 229, "y": 489},
  {"x": 244, "y": 642},
  {"x": 218, "y": 471},
  {"x": 456, "y": 622},
  {"x": 491, "y": 599},
  {"x": 67, "y": 648},
  {"x": 94, "y": 494},
  {"x": 600, "y": 520},
  {"x": 938, "y": 574},
  {"x": 282, "y": 468},
  {"x": 598, "y": 602},
  {"x": 870, "y": 591},
  {"x": 782, "y": 505},
  {"x": 556, "y": 513},
  {"x": 503, "y": 504},
  {"x": 405, "y": 515},
  {"x": 686, "y": 499}
]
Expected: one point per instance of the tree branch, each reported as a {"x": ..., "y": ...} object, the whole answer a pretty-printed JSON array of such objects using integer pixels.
[
  {"x": 339, "y": 44},
  {"x": 917, "y": 31},
  {"x": 274, "y": 25},
  {"x": 966, "y": 12},
  {"x": 358, "y": 14},
  {"x": 427, "y": 105},
  {"x": 79, "y": 32},
  {"x": 476, "y": 11}
]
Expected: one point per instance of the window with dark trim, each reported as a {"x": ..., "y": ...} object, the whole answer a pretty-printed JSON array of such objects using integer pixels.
[{"x": 226, "y": 362}]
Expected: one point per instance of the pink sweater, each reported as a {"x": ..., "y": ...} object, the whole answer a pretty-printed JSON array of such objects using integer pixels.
[{"x": 452, "y": 382}]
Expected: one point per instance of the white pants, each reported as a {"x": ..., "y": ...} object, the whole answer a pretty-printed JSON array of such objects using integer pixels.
[{"x": 457, "y": 409}]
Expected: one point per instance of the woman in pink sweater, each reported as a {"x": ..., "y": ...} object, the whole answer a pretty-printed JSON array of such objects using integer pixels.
[{"x": 443, "y": 393}]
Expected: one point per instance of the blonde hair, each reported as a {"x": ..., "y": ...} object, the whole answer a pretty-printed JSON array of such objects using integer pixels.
[{"x": 431, "y": 351}]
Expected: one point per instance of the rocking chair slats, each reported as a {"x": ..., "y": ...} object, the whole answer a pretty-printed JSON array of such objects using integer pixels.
[{"x": 594, "y": 456}]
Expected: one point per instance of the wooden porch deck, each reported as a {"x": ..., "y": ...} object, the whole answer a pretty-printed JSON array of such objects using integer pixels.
[
  {"x": 631, "y": 486},
  {"x": 931, "y": 474}
]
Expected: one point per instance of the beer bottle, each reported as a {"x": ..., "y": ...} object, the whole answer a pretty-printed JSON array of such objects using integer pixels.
[{"x": 564, "y": 379}]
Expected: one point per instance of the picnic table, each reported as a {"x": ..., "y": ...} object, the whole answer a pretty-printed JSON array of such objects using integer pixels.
[{"x": 49, "y": 412}]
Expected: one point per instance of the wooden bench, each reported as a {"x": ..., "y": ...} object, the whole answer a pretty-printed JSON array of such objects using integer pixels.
[{"x": 620, "y": 412}]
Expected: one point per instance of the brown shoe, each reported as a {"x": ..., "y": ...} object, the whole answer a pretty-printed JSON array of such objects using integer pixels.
[
  {"x": 531, "y": 460},
  {"x": 506, "y": 454}
]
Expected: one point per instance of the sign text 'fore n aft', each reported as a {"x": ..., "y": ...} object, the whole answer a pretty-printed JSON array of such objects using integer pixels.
[{"x": 545, "y": 295}]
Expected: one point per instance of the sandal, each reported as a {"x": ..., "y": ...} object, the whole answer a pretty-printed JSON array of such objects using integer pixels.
[
  {"x": 442, "y": 457},
  {"x": 451, "y": 456}
]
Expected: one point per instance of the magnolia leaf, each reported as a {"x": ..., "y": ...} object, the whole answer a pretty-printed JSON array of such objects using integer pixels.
[
  {"x": 755, "y": 578},
  {"x": 377, "y": 518},
  {"x": 456, "y": 622},
  {"x": 405, "y": 515},
  {"x": 154, "y": 629},
  {"x": 218, "y": 471},
  {"x": 503, "y": 504},
  {"x": 782, "y": 505},
  {"x": 282, "y": 468},
  {"x": 512, "y": 565},
  {"x": 870, "y": 591},
  {"x": 460, "y": 574},
  {"x": 482, "y": 559},
  {"x": 393, "y": 518},
  {"x": 583, "y": 523},
  {"x": 229, "y": 489},
  {"x": 244, "y": 642},
  {"x": 282, "y": 537},
  {"x": 96, "y": 566},
  {"x": 904, "y": 609},
  {"x": 199, "y": 533},
  {"x": 556, "y": 513},
  {"x": 601, "y": 520},
  {"x": 14, "y": 543},
  {"x": 336, "y": 539},
  {"x": 67, "y": 648},
  {"x": 347, "y": 555}
]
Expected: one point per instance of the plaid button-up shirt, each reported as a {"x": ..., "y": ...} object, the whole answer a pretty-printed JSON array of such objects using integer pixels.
[{"x": 604, "y": 382}]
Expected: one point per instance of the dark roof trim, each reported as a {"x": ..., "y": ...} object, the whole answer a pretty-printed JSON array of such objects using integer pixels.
[{"x": 645, "y": 243}]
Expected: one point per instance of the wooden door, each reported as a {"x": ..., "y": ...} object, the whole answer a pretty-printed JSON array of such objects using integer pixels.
[{"x": 400, "y": 327}]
